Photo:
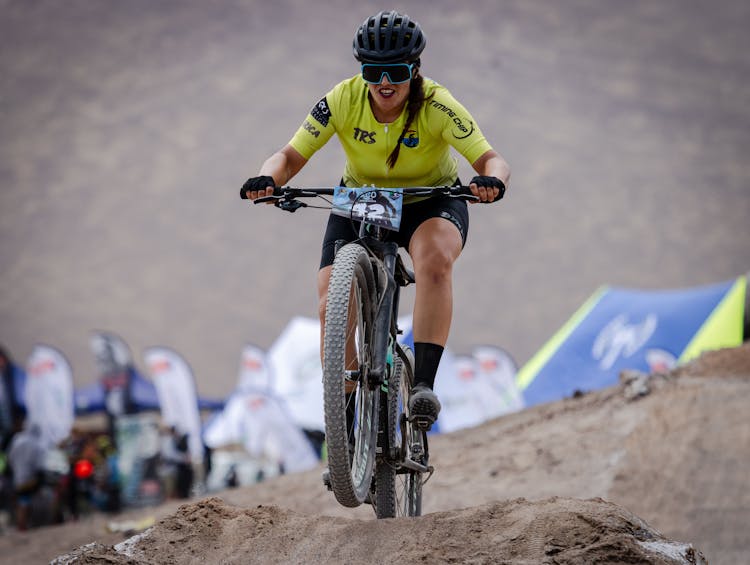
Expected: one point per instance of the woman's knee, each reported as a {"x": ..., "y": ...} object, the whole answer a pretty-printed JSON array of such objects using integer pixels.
[{"x": 434, "y": 264}]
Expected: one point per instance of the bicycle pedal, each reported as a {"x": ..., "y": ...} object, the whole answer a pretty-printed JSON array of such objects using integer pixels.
[{"x": 423, "y": 423}]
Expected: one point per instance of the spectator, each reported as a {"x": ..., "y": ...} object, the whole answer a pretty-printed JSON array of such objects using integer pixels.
[
  {"x": 231, "y": 480},
  {"x": 107, "y": 476},
  {"x": 184, "y": 479},
  {"x": 74, "y": 447},
  {"x": 26, "y": 458},
  {"x": 10, "y": 405},
  {"x": 177, "y": 469},
  {"x": 169, "y": 456}
]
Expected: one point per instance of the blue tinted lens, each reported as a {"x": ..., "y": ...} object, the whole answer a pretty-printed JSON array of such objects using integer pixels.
[{"x": 396, "y": 73}]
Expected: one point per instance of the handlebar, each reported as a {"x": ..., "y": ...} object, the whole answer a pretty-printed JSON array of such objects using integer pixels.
[{"x": 285, "y": 197}]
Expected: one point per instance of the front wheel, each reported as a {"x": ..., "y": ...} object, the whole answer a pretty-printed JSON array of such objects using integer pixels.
[{"x": 350, "y": 404}]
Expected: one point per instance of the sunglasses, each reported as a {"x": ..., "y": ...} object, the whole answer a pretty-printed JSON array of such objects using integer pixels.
[{"x": 396, "y": 73}]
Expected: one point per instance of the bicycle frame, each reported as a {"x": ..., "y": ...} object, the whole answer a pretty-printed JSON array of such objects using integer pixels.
[{"x": 385, "y": 255}]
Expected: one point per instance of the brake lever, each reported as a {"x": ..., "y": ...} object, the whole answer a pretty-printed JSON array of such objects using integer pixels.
[
  {"x": 290, "y": 205},
  {"x": 286, "y": 200}
]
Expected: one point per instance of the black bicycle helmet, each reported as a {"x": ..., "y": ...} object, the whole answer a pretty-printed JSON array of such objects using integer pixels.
[{"x": 389, "y": 37}]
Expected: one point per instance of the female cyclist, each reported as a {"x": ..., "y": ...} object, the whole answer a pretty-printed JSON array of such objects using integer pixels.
[{"x": 396, "y": 128}]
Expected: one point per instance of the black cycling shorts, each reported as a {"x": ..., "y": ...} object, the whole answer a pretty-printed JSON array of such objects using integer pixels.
[{"x": 454, "y": 210}]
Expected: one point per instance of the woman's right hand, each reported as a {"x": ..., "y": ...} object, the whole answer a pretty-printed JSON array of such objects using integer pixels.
[{"x": 257, "y": 187}]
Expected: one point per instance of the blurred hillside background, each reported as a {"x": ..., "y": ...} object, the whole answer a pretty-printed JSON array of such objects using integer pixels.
[{"x": 127, "y": 129}]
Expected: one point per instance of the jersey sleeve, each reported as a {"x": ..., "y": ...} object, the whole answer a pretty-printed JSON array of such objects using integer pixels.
[
  {"x": 319, "y": 125},
  {"x": 457, "y": 126}
]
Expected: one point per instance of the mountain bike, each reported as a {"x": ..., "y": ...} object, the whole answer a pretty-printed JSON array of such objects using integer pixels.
[{"x": 377, "y": 451}]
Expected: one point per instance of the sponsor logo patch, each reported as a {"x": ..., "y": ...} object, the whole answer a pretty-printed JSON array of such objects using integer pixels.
[
  {"x": 321, "y": 112},
  {"x": 411, "y": 139},
  {"x": 464, "y": 130}
]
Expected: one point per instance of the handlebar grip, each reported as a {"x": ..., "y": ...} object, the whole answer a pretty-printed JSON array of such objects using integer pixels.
[
  {"x": 253, "y": 183},
  {"x": 277, "y": 193},
  {"x": 490, "y": 181},
  {"x": 462, "y": 190},
  {"x": 465, "y": 190}
]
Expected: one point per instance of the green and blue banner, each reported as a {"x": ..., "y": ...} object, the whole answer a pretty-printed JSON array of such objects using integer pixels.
[{"x": 645, "y": 330}]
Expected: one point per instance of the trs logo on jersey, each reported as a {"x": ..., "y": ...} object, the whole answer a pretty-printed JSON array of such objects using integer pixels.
[
  {"x": 364, "y": 136},
  {"x": 411, "y": 139}
]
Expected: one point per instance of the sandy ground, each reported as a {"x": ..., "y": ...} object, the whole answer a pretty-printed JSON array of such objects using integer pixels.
[{"x": 608, "y": 477}]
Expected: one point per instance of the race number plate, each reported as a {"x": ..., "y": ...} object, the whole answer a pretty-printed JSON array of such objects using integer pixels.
[{"x": 379, "y": 206}]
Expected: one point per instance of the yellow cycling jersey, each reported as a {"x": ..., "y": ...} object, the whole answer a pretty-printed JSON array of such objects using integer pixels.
[{"x": 424, "y": 159}]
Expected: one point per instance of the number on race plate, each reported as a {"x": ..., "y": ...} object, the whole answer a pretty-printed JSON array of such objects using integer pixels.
[{"x": 378, "y": 206}]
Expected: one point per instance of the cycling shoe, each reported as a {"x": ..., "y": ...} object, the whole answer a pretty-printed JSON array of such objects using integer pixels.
[{"x": 424, "y": 407}]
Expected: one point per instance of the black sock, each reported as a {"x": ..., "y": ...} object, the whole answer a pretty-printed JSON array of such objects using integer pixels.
[{"x": 426, "y": 360}]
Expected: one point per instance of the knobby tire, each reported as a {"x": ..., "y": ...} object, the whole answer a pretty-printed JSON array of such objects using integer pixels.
[{"x": 349, "y": 316}]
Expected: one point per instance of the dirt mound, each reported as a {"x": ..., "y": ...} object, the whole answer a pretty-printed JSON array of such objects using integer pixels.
[
  {"x": 554, "y": 530},
  {"x": 723, "y": 363}
]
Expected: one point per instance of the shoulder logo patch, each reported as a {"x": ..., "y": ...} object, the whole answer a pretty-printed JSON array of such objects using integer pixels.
[{"x": 321, "y": 112}]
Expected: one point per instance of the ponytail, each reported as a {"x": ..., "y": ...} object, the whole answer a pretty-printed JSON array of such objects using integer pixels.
[{"x": 413, "y": 105}]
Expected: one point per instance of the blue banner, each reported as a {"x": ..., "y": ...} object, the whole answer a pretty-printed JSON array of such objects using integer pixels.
[{"x": 621, "y": 329}]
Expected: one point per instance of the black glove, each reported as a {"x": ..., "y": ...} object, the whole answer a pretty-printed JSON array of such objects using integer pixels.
[
  {"x": 490, "y": 182},
  {"x": 256, "y": 183}
]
